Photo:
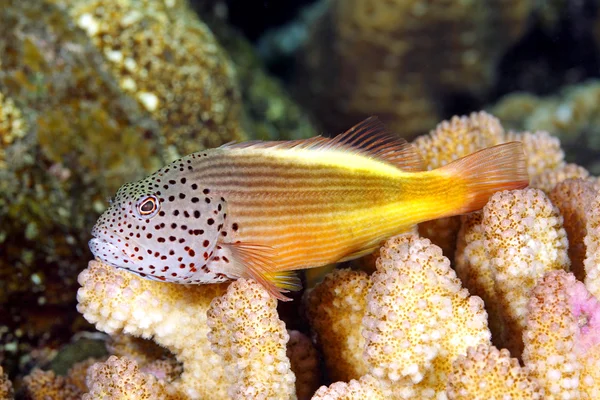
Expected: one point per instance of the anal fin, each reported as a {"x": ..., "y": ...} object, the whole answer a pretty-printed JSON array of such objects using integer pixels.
[{"x": 258, "y": 263}]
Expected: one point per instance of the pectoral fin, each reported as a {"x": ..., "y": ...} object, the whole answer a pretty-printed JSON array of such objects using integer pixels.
[{"x": 258, "y": 263}]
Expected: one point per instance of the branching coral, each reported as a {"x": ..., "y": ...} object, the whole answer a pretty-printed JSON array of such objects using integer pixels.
[
  {"x": 572, "y": 115},
  {"x": 418, "y": 318},
  {"x": 6, "y": 389},
  {"x": 485, "y": 373},
  {"x": 472, "y": 265},
  {"x": 43, "y": 385},
  {"x": 304, "y": 361},
  {"x": 592, "y": 247},
  {"x": 367, "y": 387},
  {"x": 173, "y": 315},
  {"x": 335, "y": 309},
  {"x": 247, "y": 333},
  {"x": 121, "y": 378},
  {"x": 573, "y": 198},
  {"x": 562, "y": 341},
  {"x": 548, "y": 180},
  {"x": 524, "y": 239},
  {"x": 543, "y": 151}
]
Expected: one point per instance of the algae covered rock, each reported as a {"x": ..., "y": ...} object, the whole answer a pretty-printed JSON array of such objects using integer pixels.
[{"x": 72, "y": 132}]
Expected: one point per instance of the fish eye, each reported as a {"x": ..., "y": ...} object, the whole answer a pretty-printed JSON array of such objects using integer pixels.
[{"x": 148, "y": 206}]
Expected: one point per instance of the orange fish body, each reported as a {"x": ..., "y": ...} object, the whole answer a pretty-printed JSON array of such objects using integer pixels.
[{"x": 300, "y": 204}]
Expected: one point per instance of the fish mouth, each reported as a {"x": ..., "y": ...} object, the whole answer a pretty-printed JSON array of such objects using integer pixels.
[{"x": 108, "y": 252}]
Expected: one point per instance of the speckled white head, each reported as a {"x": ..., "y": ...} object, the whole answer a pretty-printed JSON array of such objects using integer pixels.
[{"x": 164, "y": 227}]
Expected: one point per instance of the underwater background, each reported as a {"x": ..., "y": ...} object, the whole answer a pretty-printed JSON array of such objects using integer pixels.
[{"x": 97, "y": 93}]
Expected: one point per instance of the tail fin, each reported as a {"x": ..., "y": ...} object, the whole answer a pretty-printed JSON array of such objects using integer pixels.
[{"x": 487, "y": 171}]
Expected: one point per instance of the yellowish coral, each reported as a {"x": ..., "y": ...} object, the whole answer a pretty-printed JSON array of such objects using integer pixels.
[
  {"x": 573, "y": 198},
  {"x": 246, "y": 331},
  {"x": 547, "y": 180},
  {"x": 171, "y": 63},
  {"x": 46, "y": 385},
  {"x": 12, "y": 126},
  {"x": 543, "y": 151},
  {"x": 485, "y": 373},
  {"x": 6, "y": 389},
  {"x": 140, "y": 350},
  {"x": 335, "y": 309},
  {"x": 418, "y": 318},
  {"x": 367, "y": 387},
  {"x": 173, "y": 315},
  {"x": 572, "y": 114},
  {"x": 458, "y": 137},
  {"x": 449, "y": 141},
  {"x": 304, "y": 360},
  {"x": 472, "y": 265},
  {"x": 524, "y": 240},
  {"x": 592, "y": 247},
  {"x": 120, "y": 378},
  {"x": 549, "y": 339}
]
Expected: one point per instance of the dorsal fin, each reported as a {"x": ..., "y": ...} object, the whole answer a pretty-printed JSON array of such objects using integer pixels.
[{"x": 369, "y": 137}]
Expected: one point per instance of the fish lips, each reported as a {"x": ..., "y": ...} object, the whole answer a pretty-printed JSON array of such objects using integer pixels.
[{"x": 108, "y": 253}]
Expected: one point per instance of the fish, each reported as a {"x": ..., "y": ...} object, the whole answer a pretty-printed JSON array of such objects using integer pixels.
[{"x": 262, "y": 210}]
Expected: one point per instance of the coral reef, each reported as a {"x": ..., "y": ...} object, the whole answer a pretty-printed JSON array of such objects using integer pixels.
[
  {"x": 524, "y": 239},
  {"x": 591, "y": 262},
  {"x": 392, "y": 317},
  {"x": 411, "y": 328},
  {"x": 374, "y": 57},
  {"x": 69, "y": 139},
  {"x": 571, "y": 114},
  {"x": 304, "y": 361},
  {"x": 271, "y": 113},
  {"x": 367, "y": 387},
  {"x": 41, "y": 385},
  {"x": 174, "y": 316},
  {"x": 573, "y": 198}
]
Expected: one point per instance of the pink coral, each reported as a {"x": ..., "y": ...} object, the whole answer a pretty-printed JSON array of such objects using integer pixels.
[{"x": 562, "y": 338}]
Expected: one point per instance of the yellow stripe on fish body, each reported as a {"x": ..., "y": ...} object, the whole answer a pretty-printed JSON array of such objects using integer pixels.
[{"x": 320, "y": 206}]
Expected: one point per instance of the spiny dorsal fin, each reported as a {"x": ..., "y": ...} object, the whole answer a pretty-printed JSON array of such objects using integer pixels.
[{"x": 369, "y": 137}]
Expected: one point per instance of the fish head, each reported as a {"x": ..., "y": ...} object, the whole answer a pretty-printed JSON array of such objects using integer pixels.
[{"x": 164, "y": 227}]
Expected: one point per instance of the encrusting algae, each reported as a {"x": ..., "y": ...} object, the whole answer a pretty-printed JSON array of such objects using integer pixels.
[{"x": 260, "y": 210}]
